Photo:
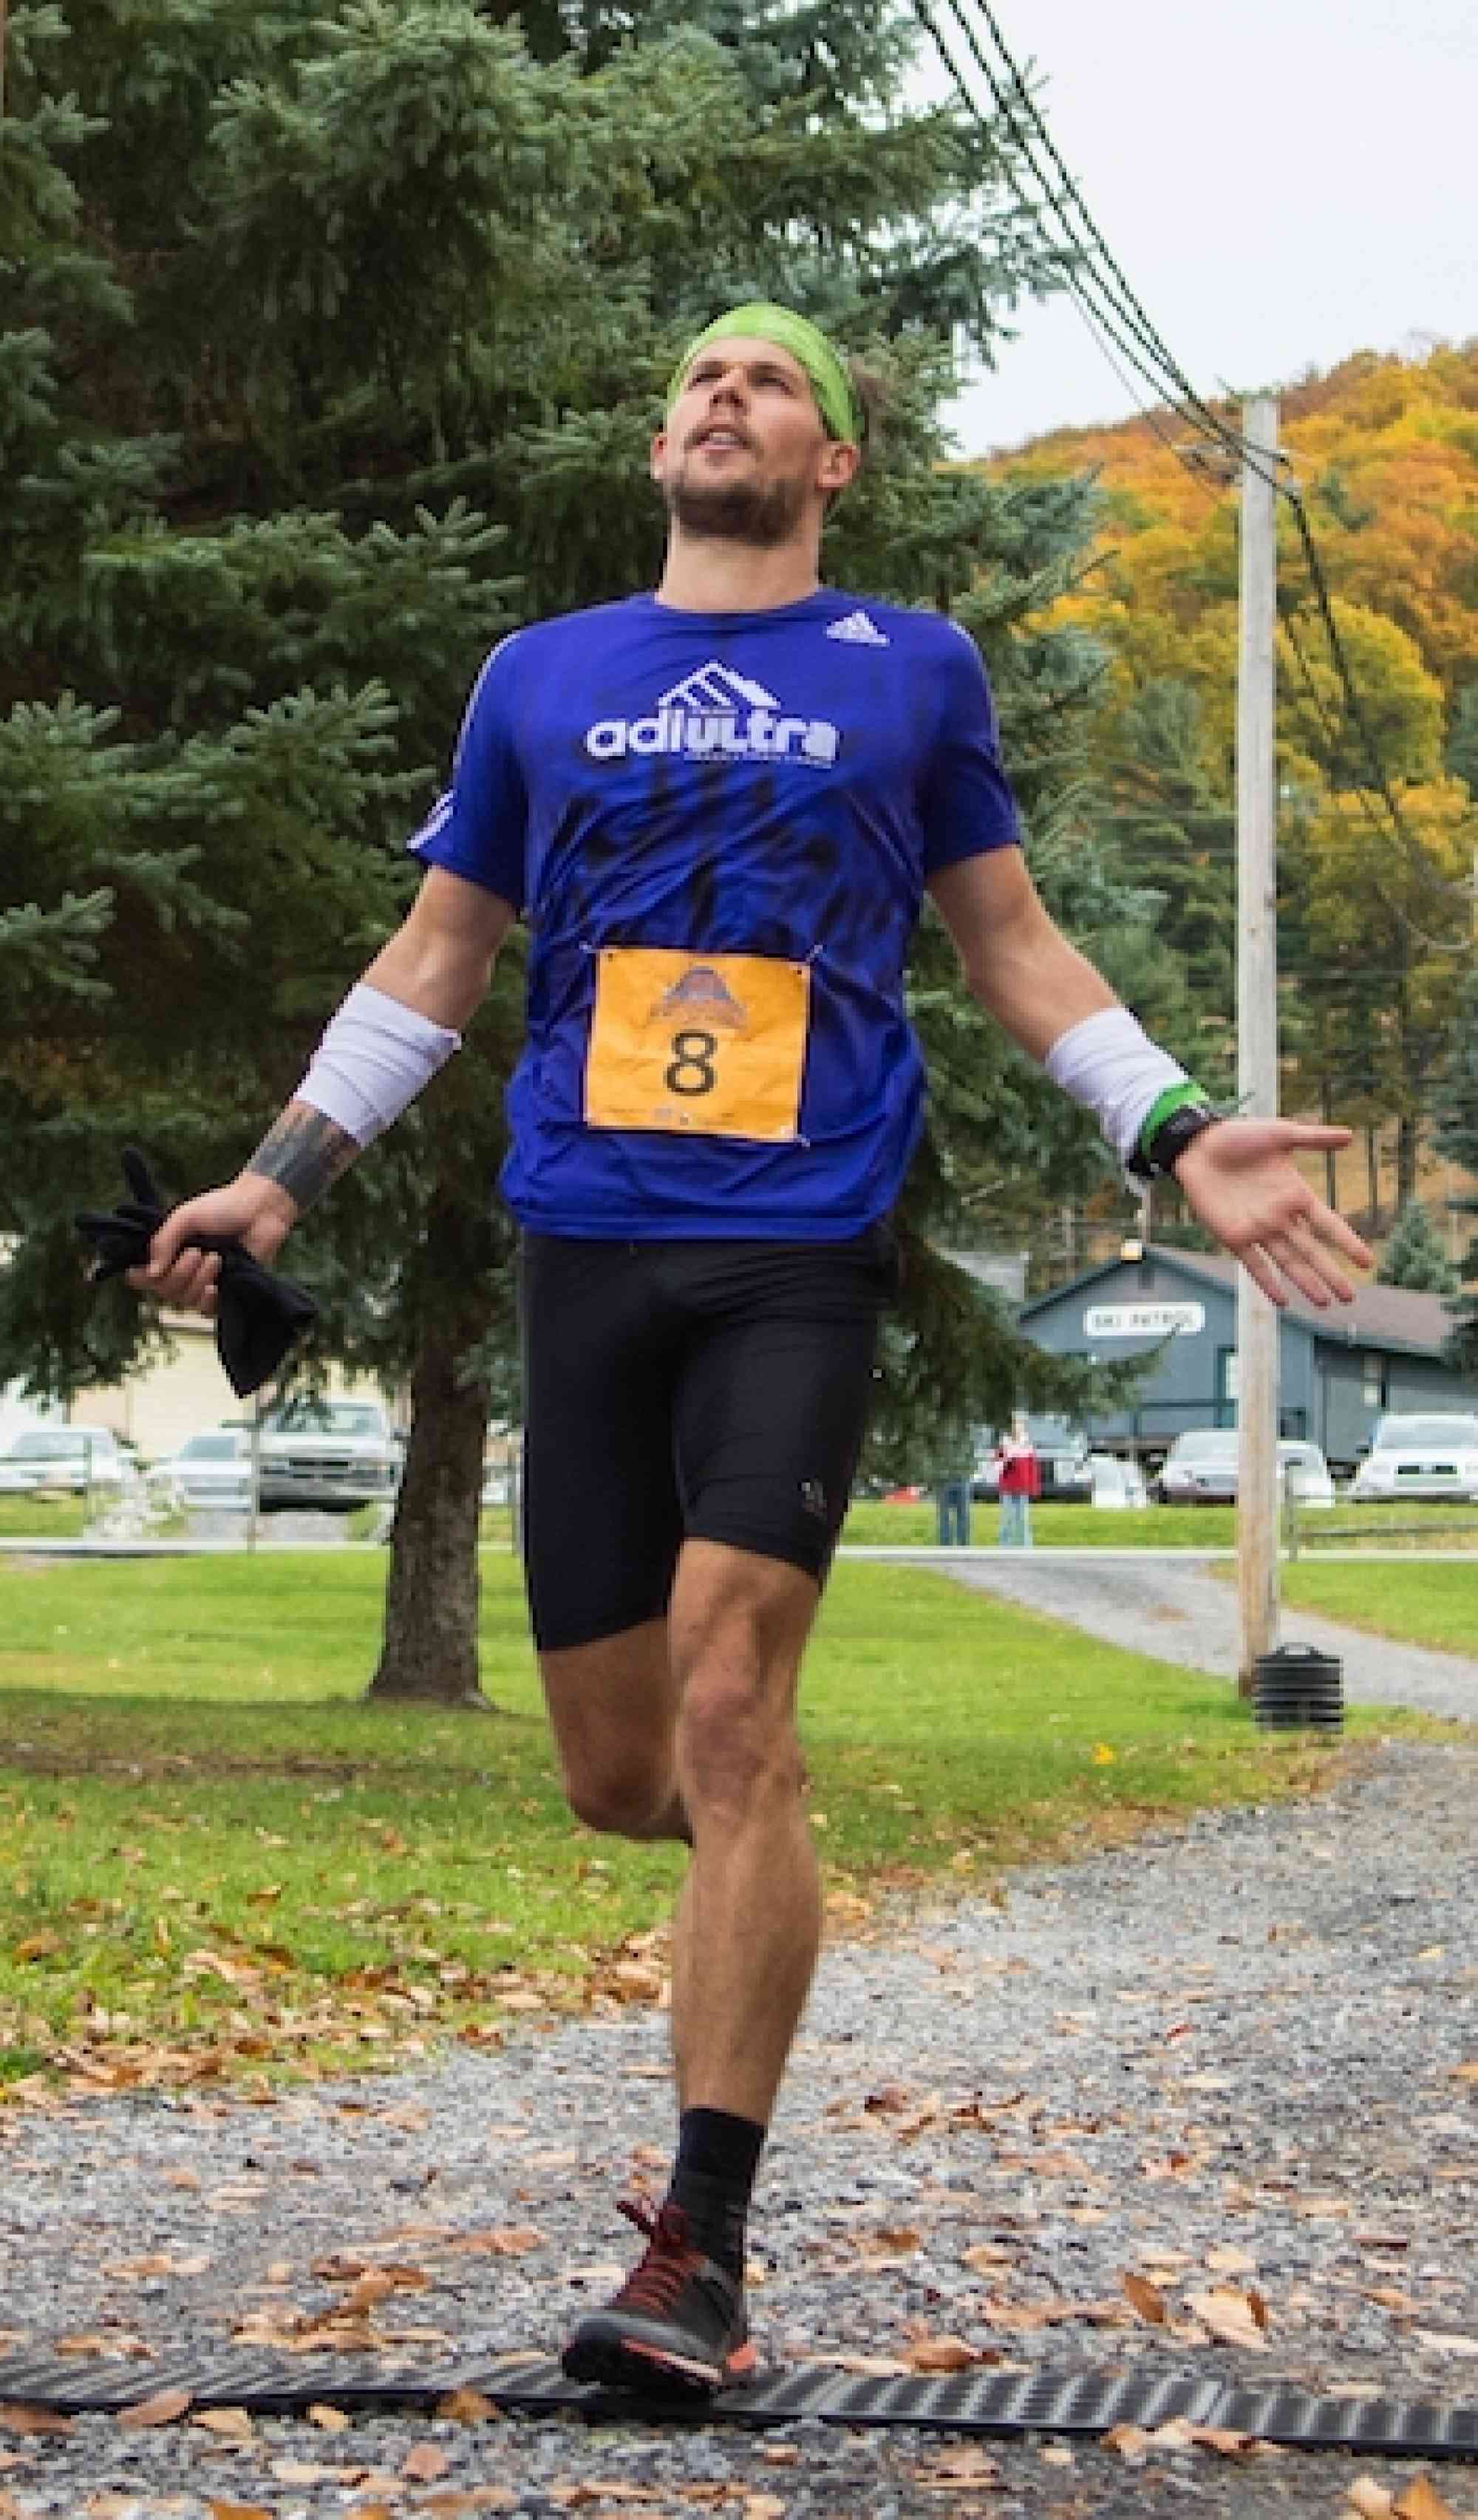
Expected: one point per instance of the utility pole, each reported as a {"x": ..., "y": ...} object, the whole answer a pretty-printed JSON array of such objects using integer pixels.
[{"x": 1257, "y": 1335}]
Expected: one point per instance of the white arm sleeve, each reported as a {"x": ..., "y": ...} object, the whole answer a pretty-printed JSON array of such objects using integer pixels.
[
  {"x": 372, "y": 1060},
  {"x": 1109, "y": 1064}
]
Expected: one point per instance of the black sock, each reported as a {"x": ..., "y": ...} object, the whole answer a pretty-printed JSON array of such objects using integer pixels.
[{"x": 712, "y": 2179}]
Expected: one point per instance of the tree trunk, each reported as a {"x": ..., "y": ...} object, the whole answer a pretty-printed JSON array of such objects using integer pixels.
[
  {"x": 429, "y": 1648},
  {"x": 1406, "y": 1140}
]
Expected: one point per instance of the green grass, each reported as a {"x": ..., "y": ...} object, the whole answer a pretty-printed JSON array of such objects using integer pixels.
[
  {"x": 1164, "y": 1526},
  {"x": 215, "y": 1859},
  {"x": 42, "y": 1517},
  {"x": 1421, "y": 1605}
]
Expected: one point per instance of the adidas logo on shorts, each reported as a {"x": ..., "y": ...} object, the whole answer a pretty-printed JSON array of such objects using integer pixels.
[{"x": 858, "y": 630}]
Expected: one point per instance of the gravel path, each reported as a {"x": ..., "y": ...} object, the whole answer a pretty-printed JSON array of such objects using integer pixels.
[
  {"x": 1237, "y": 2060},
  {"x": 1180, "y": 1610}
]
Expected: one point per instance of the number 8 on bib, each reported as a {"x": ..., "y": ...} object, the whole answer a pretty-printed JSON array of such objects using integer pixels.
[{"x": 713, "y": 1044}]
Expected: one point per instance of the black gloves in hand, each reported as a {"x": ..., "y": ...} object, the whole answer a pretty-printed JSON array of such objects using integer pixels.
[{"x": 257, "y": 1316}]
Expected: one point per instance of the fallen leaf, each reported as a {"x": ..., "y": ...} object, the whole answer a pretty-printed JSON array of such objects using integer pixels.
[
  {"x": 1217, "y": 2436},
  {"x": 328, "y": 2419},
  {"x": 1443, "y": 2344},
  {"x": 28, "y": 2420},
  {"x": 1369, "y": 2499},
  {"x": 165, "y": 2408},
  {"x": 510, "y": 2240},
  {"x": 1130, "y": 2441},
  {"x": 1177, "y": 2433},
  {"x": 228, "y": 2423},
  {"x": 1145, "y": 2299},
  {"x": 1421, "y": 2500},
  {"x": 968, "y": 2469},
  {"x": 942, "y": 2353},
  {"x": 466, "y": 2407},
  {"x": 596, "y": 2488},
  {"x": 1466, "y": 2072},
  {"x": 868, "y": 2367},
  {"x": 893, "y": 2240},
  {"x": 424, "y": 2463},
  {"x": 1231, "y": 2262},
  {"x": 1231, "y": 2316},
  {"x": 239, "y": 2511}
]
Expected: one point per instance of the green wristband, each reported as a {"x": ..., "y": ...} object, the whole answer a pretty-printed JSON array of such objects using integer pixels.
[{"x": 1176, "y": 1097}]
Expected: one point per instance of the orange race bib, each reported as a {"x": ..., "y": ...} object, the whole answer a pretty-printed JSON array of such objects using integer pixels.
[{"x": 710, "y": 1042}]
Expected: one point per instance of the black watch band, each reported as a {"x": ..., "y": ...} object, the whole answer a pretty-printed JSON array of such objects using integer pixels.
[{"x": 1154, "y": 1158}]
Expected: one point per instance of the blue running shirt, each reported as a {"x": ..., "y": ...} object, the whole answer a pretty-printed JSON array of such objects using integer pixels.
[{"x": 719, "y": 826}]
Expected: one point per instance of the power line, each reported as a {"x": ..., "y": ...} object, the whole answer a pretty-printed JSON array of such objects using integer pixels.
[
  {"x": 1108, "y": 306},
  {"x": 1355, "y": 708},
  {"x": 1080, "y": 280},
  {"x": 1133, "y": 310}
]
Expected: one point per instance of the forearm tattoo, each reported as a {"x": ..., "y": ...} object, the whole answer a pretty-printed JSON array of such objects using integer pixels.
[{"x": 305, "y": 1151}]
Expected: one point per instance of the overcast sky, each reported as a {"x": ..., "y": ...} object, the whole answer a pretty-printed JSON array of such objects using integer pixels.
[{"x": 1282, "y": 183}]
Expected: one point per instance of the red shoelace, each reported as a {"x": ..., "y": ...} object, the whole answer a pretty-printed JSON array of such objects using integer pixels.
[{"x": 669, "y": 2262}]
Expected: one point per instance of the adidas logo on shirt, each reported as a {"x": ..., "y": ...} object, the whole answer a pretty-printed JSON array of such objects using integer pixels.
[{"x": 859, "y": 630}]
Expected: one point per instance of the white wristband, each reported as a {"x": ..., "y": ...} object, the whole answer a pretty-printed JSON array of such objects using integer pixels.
[
  {"x": 372, "y": 1060},
  {"x": 1109, "y": 1064}
]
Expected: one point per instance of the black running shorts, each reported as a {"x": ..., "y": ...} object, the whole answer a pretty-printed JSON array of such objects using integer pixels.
[{"x": 687, "y": 1390}]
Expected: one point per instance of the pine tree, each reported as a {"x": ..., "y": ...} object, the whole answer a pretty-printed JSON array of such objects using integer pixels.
[
  {"x": 336, "y": 339},
  {"x": 1413, "y": 1257},
  {"x": 1455, "y": 1106}
]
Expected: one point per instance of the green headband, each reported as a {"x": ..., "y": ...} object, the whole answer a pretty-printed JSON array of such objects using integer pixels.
[{"x": 831, "y": 384}]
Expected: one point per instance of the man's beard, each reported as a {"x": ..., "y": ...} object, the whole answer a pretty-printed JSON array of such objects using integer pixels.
[{"x": 763, "y": 514}]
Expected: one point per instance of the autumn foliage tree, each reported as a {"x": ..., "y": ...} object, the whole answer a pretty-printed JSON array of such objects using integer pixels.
[{"x": 1375, "y": 908}]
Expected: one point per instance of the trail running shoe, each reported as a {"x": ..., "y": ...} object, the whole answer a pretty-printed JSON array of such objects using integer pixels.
[{"x": 676, "y": 2328}]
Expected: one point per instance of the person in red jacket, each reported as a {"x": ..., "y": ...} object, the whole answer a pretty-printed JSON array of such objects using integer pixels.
[{"x": 1018, "y": 1478}]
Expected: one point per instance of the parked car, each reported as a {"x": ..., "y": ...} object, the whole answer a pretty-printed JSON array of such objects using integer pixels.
[
  {"x": 1426, "y": 1458},
  {"x": 1304, "y": 1474},
  {"x": 210, "y": 1470},
  {"x": 1118, "y": 1485},
  {"x": 1202, "y": 1468},
  {"x": 68, "y": 1459},
  {"x": 335, "y": 1454},
  {"x": 1060, "y": 1448}
]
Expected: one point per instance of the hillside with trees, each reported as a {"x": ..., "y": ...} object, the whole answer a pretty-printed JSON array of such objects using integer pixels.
[{"x": 1376, "y": 927}]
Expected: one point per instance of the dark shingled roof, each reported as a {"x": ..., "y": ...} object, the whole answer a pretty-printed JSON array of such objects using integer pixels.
[{"x": 1378, "y": 1317}]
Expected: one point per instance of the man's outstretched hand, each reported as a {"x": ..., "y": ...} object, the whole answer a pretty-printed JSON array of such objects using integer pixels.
[{"x": 1241, "y": 1181}]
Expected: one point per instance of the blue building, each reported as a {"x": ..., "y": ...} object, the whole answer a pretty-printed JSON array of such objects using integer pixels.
[{"x": 1338, "y": 1368}]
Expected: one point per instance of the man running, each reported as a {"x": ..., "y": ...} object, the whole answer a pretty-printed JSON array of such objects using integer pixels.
[{"x": 719, "y": 807}]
